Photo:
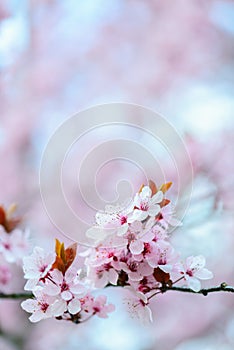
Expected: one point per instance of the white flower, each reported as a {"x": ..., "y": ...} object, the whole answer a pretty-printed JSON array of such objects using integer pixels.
[
  {"x": 41, "y": 307},
  {"x": 36, "y": 266},
  {"x": 145, "y": 204},
  {"x": 167, "y": 213},
  {"x": 194, "y": 270},
  {"x": 114, "y": 217},
  {"x": 14, "y": 245},
  {"x": 138, "y": 306},
  {"x": 66, "y": 285},
  {"x": 100, "y": 271},
  {"x": 163, "y": 255},
  {"x": 66, "y": 288},
  {"x": 136, "y": 236}
]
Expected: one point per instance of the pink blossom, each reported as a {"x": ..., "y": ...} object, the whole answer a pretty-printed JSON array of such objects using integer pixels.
[
  {"x": 66, "y": 288},
  {"x": 136, "y": 270},
  {"x": 138, "y": 306},
  {"x": 41, "y": 307},
  {"x": 193, "y": 270},
  {"x": 145, "y": 204},
  {"x": 99, "y": 267},
  {"x": 36, "y": 266},
  {"x": 163, "y": 255},
  {"x": 104, "y": 275},
  {"x": 14, "y": 245},
  {"x": 98, "y": 306},
  {"x": 115, "y": 217},
  {"x": 66, "y": 285},
  {"x": 136, "y": 236},
  {"x": 166, "y": 216}
]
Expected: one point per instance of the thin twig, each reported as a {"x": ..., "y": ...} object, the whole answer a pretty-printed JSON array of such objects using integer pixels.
[
  {"x": 223, "y": 287},
  {"x": 16, "y": 296}
]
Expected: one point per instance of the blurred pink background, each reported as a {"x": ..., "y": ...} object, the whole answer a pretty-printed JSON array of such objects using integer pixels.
[{"x": 59, "y": 57}]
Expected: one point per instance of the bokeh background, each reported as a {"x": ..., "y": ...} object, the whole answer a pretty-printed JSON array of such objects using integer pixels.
[{"x": 177, "y": 57}]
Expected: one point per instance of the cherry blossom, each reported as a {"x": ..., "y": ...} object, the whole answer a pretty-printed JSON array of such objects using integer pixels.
[
  {"x": 145, "y": 263},
  {"x": 116, "y": 217},
  {"x": 166, "y": 218},
  {"x": 136, "y": 270},
  {"x": 137, "y": 235},
  {"x": 100, "y": 308},
  {"x": 14, "y": 245},
  {"x": 42, "y": 307},
  {"x": 36, "y": 266},
  {"x": 145, "y": 204},
  {"x": 58, "y": 289},
  {"x": 138, "y": 306},
  {"x": 193, "y": 270},
  {"x": 66, "y": 288},
  {"x": 100, "y": 271},
  {"x": 163, "y": 255}
]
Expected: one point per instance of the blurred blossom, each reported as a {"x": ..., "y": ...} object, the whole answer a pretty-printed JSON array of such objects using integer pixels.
[{"x": 57, "y": 58}]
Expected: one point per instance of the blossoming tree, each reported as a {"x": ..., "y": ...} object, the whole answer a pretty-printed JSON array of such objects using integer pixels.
[{"x": 132, "y": 250}]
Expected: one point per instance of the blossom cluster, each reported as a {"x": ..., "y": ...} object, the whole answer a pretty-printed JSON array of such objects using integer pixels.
[
  {"x": 144, "y": 261},
  {"x": 131, "y": 249},
  {"x": 14, "y": 244},
  {"x": 58, "y": 288}
]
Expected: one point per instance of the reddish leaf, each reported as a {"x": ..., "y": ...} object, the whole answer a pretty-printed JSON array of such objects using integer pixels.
[
  {"x": 6, "y": 219},
  {"x": 153, "y": 187},
  {"x": 164, "y": 202},
  {"x": 59, "y": 265},
  {"x": 65, "y": 257},
  {"x": 161, "y": 276},
  {"x": 70, "y": 254},
  {"x": 2, "y": 216}
]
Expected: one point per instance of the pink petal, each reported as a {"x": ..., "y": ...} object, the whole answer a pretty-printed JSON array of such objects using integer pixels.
[
  {"x": 29, "y": 305},
  {"x": 74, "y": 306},
  {"x": 30, "y": 284},
  {"x": 139, "y": 215},
  {"x": 113, "y": 276},
  {"x": 136, "y": 247},
  {"x": 58, "y": 308},
  {"x": 52, "y": 289},
  {"x": 204, "y": 274},
  {"x": 157, "y": 198},
  {"x": 66, "y": 295},
  {"x": 145, "y": 192},
  {"x": 122, "y": 229},
  {"x": 154, "y": 210},
  {"x": 77, "y": 288},
  {"x": 37, "y": 316},
  {"x": 193, "y": 283}
]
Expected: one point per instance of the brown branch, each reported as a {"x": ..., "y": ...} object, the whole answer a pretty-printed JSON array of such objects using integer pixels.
[{"x": 223, "y": 287}]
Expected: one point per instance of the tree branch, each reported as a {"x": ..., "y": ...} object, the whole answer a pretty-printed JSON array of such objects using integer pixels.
[
  {"x": 204, "y": 291},
  {"x": 16, "y": 296},
  {"x": 223, "y": 287}
]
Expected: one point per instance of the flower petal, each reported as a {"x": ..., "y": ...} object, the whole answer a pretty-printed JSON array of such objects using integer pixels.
[
  {"x": 157, "y": 198},
  {"x": 193, "y": 283},
  {"x": 74, "y": 306},
  {"x": 154, "y": 210},
  {"x": 204, "y": 274},
  {"x": 136, "y": 247}
]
